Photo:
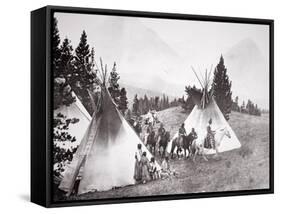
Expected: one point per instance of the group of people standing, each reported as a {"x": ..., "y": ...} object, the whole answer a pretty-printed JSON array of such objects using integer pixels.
[{"x": 146, "y": 170}]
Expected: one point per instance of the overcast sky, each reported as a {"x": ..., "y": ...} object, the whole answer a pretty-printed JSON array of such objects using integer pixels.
[{"x": 185, "y": 43}]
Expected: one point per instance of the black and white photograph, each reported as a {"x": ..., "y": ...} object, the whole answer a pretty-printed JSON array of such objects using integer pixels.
[{"x": 147, "y": 106}]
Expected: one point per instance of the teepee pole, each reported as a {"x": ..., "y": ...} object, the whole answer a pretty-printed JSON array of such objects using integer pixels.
[
  {"x": 202, "y": 78},
  {"x": 197, "y": 77},
  {"x": 99, "y": 72},
  {"x": 209, "y": 75}
]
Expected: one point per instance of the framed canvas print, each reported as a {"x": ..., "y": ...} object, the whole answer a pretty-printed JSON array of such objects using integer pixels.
[{"x": 140, "y": 106}]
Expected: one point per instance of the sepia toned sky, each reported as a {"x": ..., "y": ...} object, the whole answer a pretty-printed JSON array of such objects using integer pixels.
[{"x": 158, "y": 53}]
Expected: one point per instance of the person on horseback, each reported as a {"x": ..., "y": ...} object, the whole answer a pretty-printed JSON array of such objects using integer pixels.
[
  {"x": 182, "y": 131},
  {"x": 210, "y": 135},
  {"x": 193, "y": 133},
  {"x": 137, "y": 126},
  {"x": 161, "y": 130},
  {"x": 149, "y": 128}
]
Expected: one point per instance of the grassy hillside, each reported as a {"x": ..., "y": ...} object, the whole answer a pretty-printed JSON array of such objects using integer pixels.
[{"x": 240, "y": 169}]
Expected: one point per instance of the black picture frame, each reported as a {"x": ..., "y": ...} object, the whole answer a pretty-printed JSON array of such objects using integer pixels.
[{"x": 41, "y": 104}]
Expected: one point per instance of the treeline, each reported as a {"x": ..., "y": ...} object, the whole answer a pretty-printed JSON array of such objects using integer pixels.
[
  {"x": 249, "y": 108},
  {"x": 141, "y": 105}
]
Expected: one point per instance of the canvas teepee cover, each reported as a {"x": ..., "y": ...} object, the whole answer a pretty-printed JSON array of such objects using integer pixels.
[
  {"x": 205, "y": 109},
  {"x": 106, "y": 153}
]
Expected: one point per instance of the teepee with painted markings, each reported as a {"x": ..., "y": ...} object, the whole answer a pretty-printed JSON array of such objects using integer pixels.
[
  {"x": 105, "y": 158},
  {"x": 205, "y": 109}
]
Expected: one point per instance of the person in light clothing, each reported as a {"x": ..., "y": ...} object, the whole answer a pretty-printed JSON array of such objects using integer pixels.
[
  {"x": 153, "y": 169},
  {"x": 138, "y": 166},
  {"x": 210, "y": 135},
  {"x": 145, "y": 168}
]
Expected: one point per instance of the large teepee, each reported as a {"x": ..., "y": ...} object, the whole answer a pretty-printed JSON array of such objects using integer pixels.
[
  {"x": 205, "y": 109},
  {"x": 106, "y": 155}
]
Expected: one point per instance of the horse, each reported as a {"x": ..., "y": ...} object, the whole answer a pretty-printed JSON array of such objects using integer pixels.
[
  {"x": 163, "y": 142},
  {"x": 182, "y": 143},
  {"x": 151, "y": 141},
  {"x": 198, "y": 145}
]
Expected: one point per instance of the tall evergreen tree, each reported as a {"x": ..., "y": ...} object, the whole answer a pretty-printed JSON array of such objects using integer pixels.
[
  {"x": 156, "y": 103},
  {"x": 221, "y": 87},
  {"x": 136, "y": 103},
  {"x": 243, "y": 107},
  {"x": 128, "y": 116},
  {"x": 123, "y": 101},
  {"x": 235, "y": 105},
  {"x": 146, "y": 104},
  {"x": 66, "y": 59},
  {"x": 114, "y": 88},
  {"x": 61, "y": 94},
  {"x": 55, "y": 48},
  {"x": 83, "y": 76}
]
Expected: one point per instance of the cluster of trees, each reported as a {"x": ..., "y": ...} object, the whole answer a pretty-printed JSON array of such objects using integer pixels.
[
  {"x": 73, "y": 68},
  {"x": 118, "y": 94},
  {"x": 188, "y": 103},
  {"x": 143, "y": 104},
  {"x": 249, "y": 108}
]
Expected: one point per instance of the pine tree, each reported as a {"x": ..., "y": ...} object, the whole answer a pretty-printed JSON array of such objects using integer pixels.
[
  {"x": 66, "y": 59},
  {"x": 235, "y": 105},
  {"x": 57, "y": 95},
  {"x": 113, "y": 88},
  {"x": 62, "y": 93},
  {"x": 249, "y": 107},
  {"x": 257, "y": 110},
  {"x": 123, "y": 104},
  {"x": 167, "y": 102},
  {"x": 221, "y": 87},
  {"x": 146, "y": 105},
  {"x": 136, "y": 110},
  {"x": 83, "y": 77},
  {"x": 55, "y": 48},
  {"x": 243, "y": 107},
  {"x": 128, "y": 116},
  {"x": 156, "y": 103}
]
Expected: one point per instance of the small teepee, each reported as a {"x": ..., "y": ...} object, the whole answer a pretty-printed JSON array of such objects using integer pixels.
[
  {"x": 106, "y": 155},
  {"x": 205, "y": 109}
]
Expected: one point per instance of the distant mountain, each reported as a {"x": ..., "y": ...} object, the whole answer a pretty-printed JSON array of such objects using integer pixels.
[
  {"x": 248, "y": 70},
  {"x": 143, "y": 58}
]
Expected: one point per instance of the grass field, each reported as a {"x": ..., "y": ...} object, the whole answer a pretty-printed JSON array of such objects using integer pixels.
[{"x": 241, "y": 169}]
